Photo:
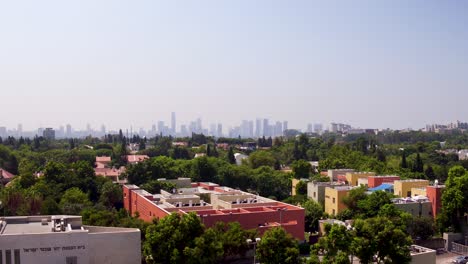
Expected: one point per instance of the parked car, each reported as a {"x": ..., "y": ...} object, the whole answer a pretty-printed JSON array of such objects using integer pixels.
[{"x": 461, "y": 260}]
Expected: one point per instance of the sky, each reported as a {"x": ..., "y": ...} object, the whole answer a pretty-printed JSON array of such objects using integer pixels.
[{"x": 371, "y": 64}]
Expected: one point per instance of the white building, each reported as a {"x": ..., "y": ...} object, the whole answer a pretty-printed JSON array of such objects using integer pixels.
[{"x": 63, "y": 239}]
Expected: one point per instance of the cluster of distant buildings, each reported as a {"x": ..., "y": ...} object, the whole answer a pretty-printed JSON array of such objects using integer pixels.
[
  {"x": 462, "y": 153},
  {"x": 415, "y": 196},
  {"x": 438, "y": 128}
]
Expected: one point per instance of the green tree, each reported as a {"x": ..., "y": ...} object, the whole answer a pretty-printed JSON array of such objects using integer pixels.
[
  {"x": 111, "y": 195},
  {"x": 73, "y": 201},
  {"x": 166, "y": 239},
  {"x": 380, "y": 237},
  {"x": 301, "y": 169},
  {"x": 231, "y": 157},
  {"x": 335, "y": 245},
  {"x": 261, "y": 158},
  {"x": 454, "y": 199},
  {"x": 301, "y": 188},
  {"x": 313, "y": 213},
  {"x": 418, "y": 165},
  {"x": 277, "y": 246},
  {"x": 404, "y": 163}
]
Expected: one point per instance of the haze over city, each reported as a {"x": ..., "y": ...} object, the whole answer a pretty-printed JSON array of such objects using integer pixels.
[{"x": 393, "y": 64}]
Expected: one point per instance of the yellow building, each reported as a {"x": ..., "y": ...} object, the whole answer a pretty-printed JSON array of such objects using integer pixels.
[
  {"x": 353, "y": 177},
  {"x": 403, "y": 188},
  {"x": 334, "y": 199},
  {"x": 418, "y": 191}
]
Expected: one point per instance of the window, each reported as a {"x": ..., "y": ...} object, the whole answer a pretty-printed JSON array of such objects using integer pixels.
[
  {"x": 333, "y": 211},
  {"x": 1, "y": 257},
  {"x": 17, "y": 256},
  {"x": 8, "y": 256},
  {"x": 333, "y": 200},
  {"x": 314, "y": 194},
  {"x": 72, "y": 260}
]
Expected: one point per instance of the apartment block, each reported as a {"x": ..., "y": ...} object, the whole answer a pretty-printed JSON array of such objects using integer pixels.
[
  {"x": 333, "y": 174},
  {"x": 352, "y": 178},
  {"x": 334, "y": 199},
  {"x": 316, "y": 190},
  {"x": 416, "y": 206},
  {"x": 402, "y": 188},
  {"x": 374, "y": 181},
  {"x": 214, "y": 203}
]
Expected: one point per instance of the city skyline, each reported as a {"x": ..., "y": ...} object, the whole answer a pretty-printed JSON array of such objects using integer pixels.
[{"x": 371, "y": 64}]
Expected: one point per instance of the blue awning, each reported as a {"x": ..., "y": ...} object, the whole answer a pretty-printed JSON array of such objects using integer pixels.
[{"x": 382, "y": 187}]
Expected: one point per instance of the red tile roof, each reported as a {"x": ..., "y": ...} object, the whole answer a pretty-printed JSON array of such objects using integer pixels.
[
  {"x": 136, "y": 158},
  {"x": 103, "y": 159},
  {"x": 5, "y": 174}
]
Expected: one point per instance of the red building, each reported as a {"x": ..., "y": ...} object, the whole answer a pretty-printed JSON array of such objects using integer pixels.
[
  {"x": 374, "y": 181},
  {"x": 434, "y": 194},
  {"x": 223, "y": 204}
]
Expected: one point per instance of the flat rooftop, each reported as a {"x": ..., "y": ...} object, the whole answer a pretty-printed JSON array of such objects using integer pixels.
[{"x": 36, "y": 224}]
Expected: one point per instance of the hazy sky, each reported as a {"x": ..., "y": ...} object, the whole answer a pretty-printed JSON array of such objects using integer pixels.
[{"x": 369, "y": 63}]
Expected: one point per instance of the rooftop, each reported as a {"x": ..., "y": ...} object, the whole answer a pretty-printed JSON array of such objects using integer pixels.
[{"x": 39, "y": 224}]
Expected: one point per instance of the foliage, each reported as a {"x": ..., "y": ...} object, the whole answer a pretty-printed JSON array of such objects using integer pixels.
[{"x": 277, "y": 246}]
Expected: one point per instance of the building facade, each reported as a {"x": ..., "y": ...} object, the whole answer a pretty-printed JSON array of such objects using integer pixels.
[
  {"x": 214, "y": 203},
  {"x": 63, "y": 239},
  {"x": 353, "y": 177},
  {"x": 374, "y": 181},
  {"x": 403, "y": 187},
  {"x": 334, "y": 199}
]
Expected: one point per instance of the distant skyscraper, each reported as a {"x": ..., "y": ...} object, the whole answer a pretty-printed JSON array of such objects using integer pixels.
[
  {"x": 161, "y": 127},
  {"x": 213, "y": 130},
  {"x": 220, "y": 130},
  {"x": 318, "y": 128},
  {"x": 69, "y": 130},
  {"x": 173, "y": 123},
  {"x": 49, "y": 133},
  {"x": 266, "y": 130},
  {"x": 285, "y": 125},
  {"x": 309, "y": 128},
  {"x": 278, "y": 129},
  {"x": 103, "y": 129},
  {"x": 20, "y": 130},
  {"x": 258, "y": 127},
  {"x": 3, "y": 132}
]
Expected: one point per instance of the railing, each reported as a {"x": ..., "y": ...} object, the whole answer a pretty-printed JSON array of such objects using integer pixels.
[{"x": 459, "y": 248}]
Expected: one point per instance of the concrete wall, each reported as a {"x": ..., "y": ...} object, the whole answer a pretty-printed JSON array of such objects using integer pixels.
[
  {"x": 424, "y": 258},
  {"x": 332, "y": 174},
  {"x": 375, "y": 181},
  {"x": 47, "y": 248},
  {"x": 353, "y": 177},
  {"x": 114, "y": 246},
  {"x": 403, "y": 188},
  {"x": 418, "y": 191},
  {"x": 423, "y": 209},
  {"x": 434, "y": 193},
  {"x": 316, "y": 191}
]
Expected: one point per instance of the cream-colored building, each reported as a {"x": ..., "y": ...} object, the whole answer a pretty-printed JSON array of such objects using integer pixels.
[
  {"x": 353, "y": 177},
  {"x": 63, "y": 239},
  {"x": 334, "y": 199},
  {"x": 402, "y": 188},
  {"x": 418, "y": 191},
  {"x": 422, "y": 255}
]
